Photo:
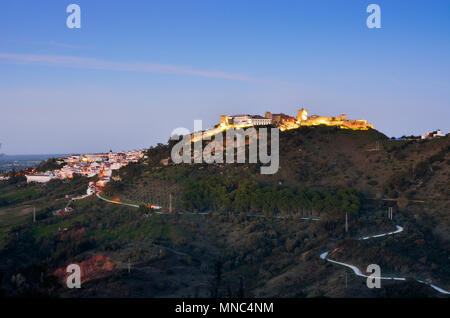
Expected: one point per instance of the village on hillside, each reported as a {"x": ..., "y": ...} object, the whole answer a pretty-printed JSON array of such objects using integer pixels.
[{"x": 88, "y": 165}]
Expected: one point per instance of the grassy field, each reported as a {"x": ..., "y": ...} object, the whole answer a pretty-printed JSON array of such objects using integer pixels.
[{"x": 19, "y": 195}]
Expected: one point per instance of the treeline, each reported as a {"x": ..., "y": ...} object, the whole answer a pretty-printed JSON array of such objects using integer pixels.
[
  {"x": 249, "y": 196},
  {"x": 15, "y": 177},
  {"x": 48, "y": 165}
]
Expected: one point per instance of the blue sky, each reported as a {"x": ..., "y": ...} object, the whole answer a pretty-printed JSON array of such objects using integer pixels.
[{"x": 138, "y": 69}]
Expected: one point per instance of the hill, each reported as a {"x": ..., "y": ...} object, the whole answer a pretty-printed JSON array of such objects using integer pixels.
[{"x": 234, "y": 231}]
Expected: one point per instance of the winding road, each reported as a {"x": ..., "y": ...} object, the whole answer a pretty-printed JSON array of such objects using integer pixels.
[{"x": 358, "y": 272}]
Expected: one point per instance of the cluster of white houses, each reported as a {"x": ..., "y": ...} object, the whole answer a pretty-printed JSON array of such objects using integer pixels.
[
  {"x": 436, "y": 133},
  {"x": 89, "y": 165}
]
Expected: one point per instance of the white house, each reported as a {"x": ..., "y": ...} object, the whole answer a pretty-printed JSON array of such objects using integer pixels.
[
  {"x": 437, "y": 133},
  {"x": 41, "y": 178}
]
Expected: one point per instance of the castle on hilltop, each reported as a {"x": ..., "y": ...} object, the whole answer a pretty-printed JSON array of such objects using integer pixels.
[
  {"x": 341, "y": 121},
  {"x": 285, "y": 122}
]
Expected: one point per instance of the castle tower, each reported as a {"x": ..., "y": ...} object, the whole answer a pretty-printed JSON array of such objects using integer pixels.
[
  {"x": 224, "y": 119},
  {"x": 302, "y": 115}
]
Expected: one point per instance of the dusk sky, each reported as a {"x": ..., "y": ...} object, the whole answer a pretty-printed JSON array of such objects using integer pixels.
[{"x": 136, "y": 70}]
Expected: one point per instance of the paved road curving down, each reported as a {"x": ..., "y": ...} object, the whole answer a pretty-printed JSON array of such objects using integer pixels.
[
  {"x": 358, "y": 272},
  {"x": 111, "y": 201},
  {"x": 399, "y": 229}
]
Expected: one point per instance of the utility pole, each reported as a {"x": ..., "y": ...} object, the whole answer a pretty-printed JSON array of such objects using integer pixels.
[
  {"x": 241, "y": 293},
  {"x": 346, "y": 223},
  {"x": 390, "y": 213},
  {"x": 34, "y": 215},
  {"x": 345, "y": 279}
]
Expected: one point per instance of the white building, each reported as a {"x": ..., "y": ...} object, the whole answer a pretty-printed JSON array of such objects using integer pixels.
[
  {"x": 103, "y": 181},
  {"x": 41, "y": 178},
  {"x": 252, "y": 120},
  {"x": 115, "y": 166},
  {"x": 107, "y": 172},
  {"x": 260, "y": 121},
  {"x": 90, "y": 190},
  {"x": 437, "y": 133},
  {"x": 240, "y": 119}
]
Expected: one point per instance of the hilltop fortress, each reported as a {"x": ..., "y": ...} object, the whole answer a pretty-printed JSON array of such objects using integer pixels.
[
  {"x": 282, "y": 121},
  {"x": 285, "y": 122}
]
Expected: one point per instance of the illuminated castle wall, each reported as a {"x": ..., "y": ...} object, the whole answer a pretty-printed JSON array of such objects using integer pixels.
[{"x": 341, "y": 121}]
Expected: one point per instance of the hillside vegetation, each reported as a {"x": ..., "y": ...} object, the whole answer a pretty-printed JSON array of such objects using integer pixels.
[{"x": 235, "y": 232}]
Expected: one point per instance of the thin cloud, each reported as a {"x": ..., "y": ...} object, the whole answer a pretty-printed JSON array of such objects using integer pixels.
[
  {"x": 98, "y": 64},
  {"x": 66, "y": 45}
]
